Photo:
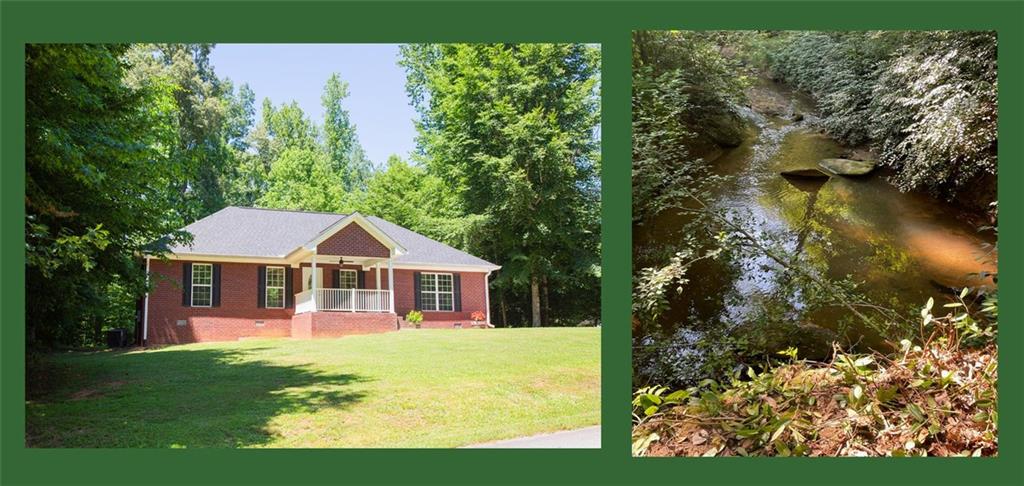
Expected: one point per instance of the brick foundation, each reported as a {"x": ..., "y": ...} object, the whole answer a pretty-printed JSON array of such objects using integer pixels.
[
  {"x": 441, "y": 324},
  {"x": 335, "y": 324}
]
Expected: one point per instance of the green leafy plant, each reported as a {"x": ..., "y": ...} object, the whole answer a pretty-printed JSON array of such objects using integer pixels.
[
  {"x": 648, "y": 400},
  {"x": 414, "y": 317},
  {"x": 936, "y": 397}
]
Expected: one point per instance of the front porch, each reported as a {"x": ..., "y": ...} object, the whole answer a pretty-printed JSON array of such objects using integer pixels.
[
  {"x": 344, "y": 283},
  {"x": 342, "y": 270},
  {"x": 343, "y": 300}
]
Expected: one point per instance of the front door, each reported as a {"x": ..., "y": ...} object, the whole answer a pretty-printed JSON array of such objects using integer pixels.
[{"x": 307, "y": 278}]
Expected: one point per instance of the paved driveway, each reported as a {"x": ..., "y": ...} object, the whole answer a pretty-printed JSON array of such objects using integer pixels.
[{"x": 588, "y": 438}]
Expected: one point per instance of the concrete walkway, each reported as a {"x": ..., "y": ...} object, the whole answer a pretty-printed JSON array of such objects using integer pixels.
[{"x": 588, "y": 438}]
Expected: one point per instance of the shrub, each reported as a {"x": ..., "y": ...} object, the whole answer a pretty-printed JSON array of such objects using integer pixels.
[{"x": 414, "y": 317}]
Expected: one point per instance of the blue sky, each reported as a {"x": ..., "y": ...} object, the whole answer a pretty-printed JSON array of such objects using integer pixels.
[{"x": 377, "y": 102}]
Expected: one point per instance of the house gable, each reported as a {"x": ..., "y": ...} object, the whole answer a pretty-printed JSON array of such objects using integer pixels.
[{"x": 353, "y": 240}]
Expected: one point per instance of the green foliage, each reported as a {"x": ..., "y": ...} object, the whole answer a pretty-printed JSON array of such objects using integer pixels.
[
  {"x": 934, "y": 398},
  {"x": 511, "y": 130},
  {"x": 685, "y": 94},
  {"x": 709, "y": 81},
  {"x": 648, "y": 400},
  {"x": 287, "y": 126},
  {"x": 207, "y": 118},
  {"x": 410, "y": 196},
  {"x": 340, "y": 139},
  {"x": 652, "y": 284},
  {"x": 98, "y": 164},
  {"x": 414, "y": 316},
  {"x": 926, "y": 101},
  {"x": 303, "y": 179}
]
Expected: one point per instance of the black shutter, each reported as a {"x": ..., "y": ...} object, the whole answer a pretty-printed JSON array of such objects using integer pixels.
[
  {"x": 336, "y": 279},
  {"x": 417, "y": 298},
  {"x": 186, "y": 284},
  {"x": 457, "y": 287},
  {"x": 360, "y": 279},
  {"x": 261, "y": 286},
  {"x": 216, "y": 285},
  {"x": 289, "y": 293}
]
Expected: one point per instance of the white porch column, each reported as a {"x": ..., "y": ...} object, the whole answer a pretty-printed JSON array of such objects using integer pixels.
[
  {"x": 376, "y": 270},
  {"x": 391, "y": 282},
  {"x": 312, "y": 285}
]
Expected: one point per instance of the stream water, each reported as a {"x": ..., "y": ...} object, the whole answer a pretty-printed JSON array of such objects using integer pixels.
[{"x": 901, "y": 248}]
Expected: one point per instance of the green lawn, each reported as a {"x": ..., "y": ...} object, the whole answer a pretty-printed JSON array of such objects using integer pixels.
[{"x": 416, "y": 388}]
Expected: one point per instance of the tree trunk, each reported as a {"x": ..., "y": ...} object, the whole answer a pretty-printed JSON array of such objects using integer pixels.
[
  {"x": 546, "y": 314},
  {"x": 504, "y": 309},
  {"x": 535, "y": 300}
]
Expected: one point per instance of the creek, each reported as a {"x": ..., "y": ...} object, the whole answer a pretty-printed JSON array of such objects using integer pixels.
[{"x": 899, "y": 248}]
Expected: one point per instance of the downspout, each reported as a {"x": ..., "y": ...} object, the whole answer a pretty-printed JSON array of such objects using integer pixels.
[
  {"x": 487, "y": 295},
  {"x": 145, "y": 308}
]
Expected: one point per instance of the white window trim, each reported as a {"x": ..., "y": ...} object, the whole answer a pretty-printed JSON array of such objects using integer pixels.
[
  {"x": 437, "y": 292},
  {"x": 192, "y": 289},
  {"x": 266, "y": 289},
  {"x": 355, "y": 277}
]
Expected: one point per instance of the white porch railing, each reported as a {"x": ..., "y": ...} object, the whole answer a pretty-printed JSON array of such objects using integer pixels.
[{"x": 350, "y": 300}]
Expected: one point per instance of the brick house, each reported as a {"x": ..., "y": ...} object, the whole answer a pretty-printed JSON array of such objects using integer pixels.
[{"x": 260, "y": 272}]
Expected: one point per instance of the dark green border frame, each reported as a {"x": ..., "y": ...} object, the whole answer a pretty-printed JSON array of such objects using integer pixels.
[{"x": 606, "y": 22}]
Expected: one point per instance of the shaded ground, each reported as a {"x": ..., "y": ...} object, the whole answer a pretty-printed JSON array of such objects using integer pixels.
[{"x": 430, "y": 388}]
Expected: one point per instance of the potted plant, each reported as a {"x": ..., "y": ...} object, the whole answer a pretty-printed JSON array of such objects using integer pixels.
[
  {"x": 414, "y": 317},
  {"x": 477, "y": 317}
]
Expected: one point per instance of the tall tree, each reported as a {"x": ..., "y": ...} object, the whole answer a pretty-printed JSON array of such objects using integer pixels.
[
  {"x": 339, "y": 133},
  {"x": 202, "y": 112},
  {"x": 99, "y": 162},
  {"x": 303, "y": 179},
  {"x": 512, "y": 129},
  {"x": 410, "y": 196},
  {"x": 288, "y": 127},
  {"x": 360, "y": 168}
]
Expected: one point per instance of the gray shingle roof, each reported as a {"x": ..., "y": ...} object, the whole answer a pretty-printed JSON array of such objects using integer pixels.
[{"x": 255, "y": 232}]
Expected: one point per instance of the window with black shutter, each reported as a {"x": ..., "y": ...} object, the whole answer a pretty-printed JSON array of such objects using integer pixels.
[
  {"x": 216, "y": 285},
  {"x": 275, "y": 287},
  {"x": 457, "y": 285},
  {"x": 437, "y": 291},
  {"x": 261, "y": 286},
  {"x": 186, "y": 284},
  {"x": 202, "y": 285},
  {"x": 289, "y": 290},
  {"x": 416, "y": 291}
]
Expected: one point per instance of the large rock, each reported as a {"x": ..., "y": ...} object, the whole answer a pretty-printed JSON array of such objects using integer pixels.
[
  {"x": 847, "y": 167},
  {"x": 805, "y": 174}
]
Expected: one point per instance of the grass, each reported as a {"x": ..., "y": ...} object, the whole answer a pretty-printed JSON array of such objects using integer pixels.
[{"x": 421, "y": 388}]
